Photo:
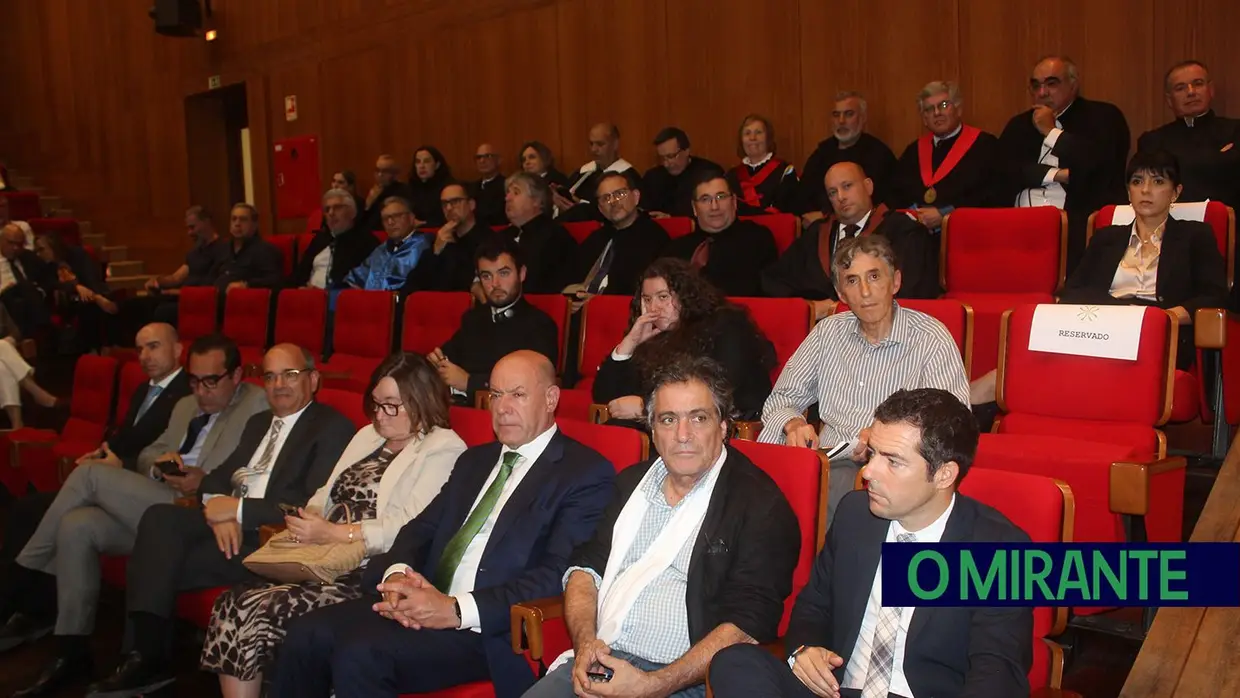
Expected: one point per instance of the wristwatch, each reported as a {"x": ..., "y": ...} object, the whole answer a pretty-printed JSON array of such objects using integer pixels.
[
  {"x": 456, "y": 606},
  {"x": 792, "y": 658}
]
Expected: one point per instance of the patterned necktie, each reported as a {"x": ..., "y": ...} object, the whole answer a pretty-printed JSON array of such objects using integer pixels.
[
  {"x": 151, "y": 393},
  {"x": 239, "y": 478},
  {"x": 191, "y": 433},
  {"x": 701, "y": 255},
  {"x": 455, "y": 549},
  {"x": 883, "y": 647},
  {"x": 850, "y": 231},
  {"x": 594, "y": 281}
]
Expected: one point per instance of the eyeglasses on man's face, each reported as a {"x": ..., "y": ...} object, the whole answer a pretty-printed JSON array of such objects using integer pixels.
[
  {"x": 209, "y": 382},
  {"x": 291, "y": 376},
  {"x": 617, "y": 196},
  {"x": 708, "y": 199},
  {"x": 937, "y": 107}
]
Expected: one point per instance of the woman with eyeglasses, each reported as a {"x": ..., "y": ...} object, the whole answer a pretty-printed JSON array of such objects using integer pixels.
[
  {"x": 430, "y": 174},
  {"x": 388, "y": 473},
  {"x": 765, "y": 184}
]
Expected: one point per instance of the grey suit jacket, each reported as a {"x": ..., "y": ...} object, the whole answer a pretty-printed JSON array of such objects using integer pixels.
[{"x": 223, "y": 438}]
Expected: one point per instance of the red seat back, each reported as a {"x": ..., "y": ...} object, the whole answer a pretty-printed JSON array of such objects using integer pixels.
[
  {"x": 575, "y": 404},
  {"x": 676, "y": 226},
  {"x": 314, "y": 222},
  {"x": 431, "y": 318},
  {"x": 472, "y": 425},
  {"x": 1219, "y": 216},
  {"x": 131, "y": 377},
  {"x": 621, "y": 446},
  {"x": 287, "y": 244},
  {"x": 582, "y": 229},
  {"x": 955, "y": 316},
  {"x": 197, "y": 312},
  {"x": 301, "y": 318},
  {"x": 65, "y": 228},
  {"x": 247, "y": 317},
  {"x": 303, "y": 243},
  {"x": 23, "y": 205},
  {"x": 604, "y": 321},
  {"x": 380, "y": 235},
  {"x": 801, "y": 474},
  {"x": 94, "y": 387},
  {"x": 786, "y": 227},
  {"x": 1003, "y": 250},
  {"x": 557, "y": 306},
  {"x": 784, "y": 321},
  {"x": 345, "y": 402},
  {"x": 362, "y": 336}
]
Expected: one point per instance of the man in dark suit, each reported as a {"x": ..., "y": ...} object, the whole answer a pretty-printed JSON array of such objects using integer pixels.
[
  {"x": 499, "y": 532},
  {"x": 336, "y": 251},
  {"x": 717, "y": 577},
  {"x": 667, "y": 188},
  {"x": 1067, "y": 151},
  {"x": 546, "y": 246},
  {"x": 804, "y": 269},
  {"x": 613, "y": 258},
  {"x": 284, "y": 455},
  {"x": 251, "y": 261},
  {"x": 489, "y": 190},
  {"x": 841, "y": 640},
  {"x": 23, "y": 278}
]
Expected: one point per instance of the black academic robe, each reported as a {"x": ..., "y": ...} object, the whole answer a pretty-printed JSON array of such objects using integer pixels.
[
  {"x": 871, "y": 153},
  {"x": 635, "y": 248},
  {"x": 971, "y": 183},
  {"x": 453, "y": 269},
  {"x": 549, "y": 252},
  {"x": 482, "y": 340},
  {"x": 489, "y": 196},
  {"x": 424, "y": 197},
  {"x": 352, "y": 247},
  {"x": 780, "y": 190},
  {"x": 1209, "y": 155},
  {"x": 673, "y": 194},
  {"x": 372, "y": 218},
  {"x": 800, "y": 272},
  {"x": 582, "y": 185},
  {"x": 738, "y": 254},
  {"x": 554, "y": 176}
]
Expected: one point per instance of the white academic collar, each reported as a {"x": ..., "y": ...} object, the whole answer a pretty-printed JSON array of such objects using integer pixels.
[
  {"x": 932, "y": 533},
  {"x": 951, "y": 135},
  {"x": 759, "y": 163},
  {"x": 163, "y": 384},
  {"x": 1189, "y": 120},
  {"x": 491, "y": 178}
]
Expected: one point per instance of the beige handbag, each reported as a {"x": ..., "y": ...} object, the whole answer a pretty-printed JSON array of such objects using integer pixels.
[{"x": 287, "y": 561}]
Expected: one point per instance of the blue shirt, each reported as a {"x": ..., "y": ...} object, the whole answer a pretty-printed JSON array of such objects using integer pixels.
[{"x": 389, "y": 265}]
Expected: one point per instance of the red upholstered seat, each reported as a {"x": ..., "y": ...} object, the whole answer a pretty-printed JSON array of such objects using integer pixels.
[
  {"x": 303, "y": 243},
  {"x": 471, "y": 424},
  {"x": 582, "y": 229},
  {"x": 195, "y": 606},
  {"x": 994, "y": 259},
  {"x": 604, "y": 321},
  {"x": 1186, "y": 397},
  {"x": 362, "y": 337},
  {"x": 287, "y": 244},
  {"x": 197, "y": 313},
  {"x": 957, "y": 317},
  {"x": 574, "y": 403},
  {"x": 431, "y": 318},
  {"x": 621, "y": 446},
  {"x": 346, "y": 402},
  {"x": 784, "y": 321},
  {"x": 247, "y": 320},
  {"x": 314, "y": 222},
  {"x": 112, "y": 569},
  {"x": 131, "y": 376},
  {"x": 557, "y": 306},
  {"x": 65, "y": 228},
  {"x": 784, "y": 226},
  {"x": 676, "y": 226},
  {"x": 23, "y": 205},
  {"x": 301, "y": 318}
]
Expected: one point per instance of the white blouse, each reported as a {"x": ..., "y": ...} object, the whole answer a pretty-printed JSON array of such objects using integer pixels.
[{"x": 1137, "y": 273}]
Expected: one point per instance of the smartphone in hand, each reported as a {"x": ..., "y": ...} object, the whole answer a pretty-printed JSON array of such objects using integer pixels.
[
  {"x": 289, "y": 510},
  {"x": 599, "y": 673},
  {"x": 169, "y": 468}
]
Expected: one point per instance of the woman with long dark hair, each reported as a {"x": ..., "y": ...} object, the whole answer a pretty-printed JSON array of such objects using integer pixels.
[{"x": 430, "y": 173}]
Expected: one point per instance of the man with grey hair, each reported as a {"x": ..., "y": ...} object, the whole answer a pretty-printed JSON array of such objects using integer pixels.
[
  {"x": 849, "y": 142},
  {"x": 390, "y": 266},
  {"x": 877, "y": 347},
  {"x": 952, "y": 165},
  {"x": 251, "y": 262},
  {"x": 1067, "y": 151},
  {"x": 548, "y": 249},
  {"x": 339, "y": 248}
]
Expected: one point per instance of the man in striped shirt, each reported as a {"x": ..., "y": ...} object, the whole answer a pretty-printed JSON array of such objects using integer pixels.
[{"x": 852, "y": 361}]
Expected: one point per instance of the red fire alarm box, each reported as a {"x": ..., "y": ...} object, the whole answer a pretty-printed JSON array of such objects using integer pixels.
[{"x": 297, "y": 177}]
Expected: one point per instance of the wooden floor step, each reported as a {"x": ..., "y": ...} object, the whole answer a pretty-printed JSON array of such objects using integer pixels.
[
  {"x": 131, "y": 282},
  {"x": 50, "y": 203},
  {"x": 115, "y": 253},
  {"x": 60, "y": 213},
  {"x": 96, "y": 241},
  {"x": 129, "y": 267},
  {"x": 22, "y": 182},
  {"x": 85, "y": 228}
]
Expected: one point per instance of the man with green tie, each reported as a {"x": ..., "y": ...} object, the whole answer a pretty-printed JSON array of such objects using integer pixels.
[{"x": 499, "y": 532}]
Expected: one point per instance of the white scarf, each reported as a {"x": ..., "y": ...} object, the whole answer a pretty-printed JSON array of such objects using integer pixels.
[{"x": 620, "y": 590}]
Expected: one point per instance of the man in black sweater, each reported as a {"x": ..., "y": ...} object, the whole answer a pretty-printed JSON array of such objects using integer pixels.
[
  {"x": 849, "y": 142},
  {"x": 489, "y": 332},
  {"x": 449, "y": 264},
  {"x": 667, "y": 188},
  {"x": 613, "y": 258}
]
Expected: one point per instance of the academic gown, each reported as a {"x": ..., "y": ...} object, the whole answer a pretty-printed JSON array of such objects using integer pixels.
[
  {"x": 453, "y": 269},
  {"x": 549, "y": 253},
  {"x": 635, "y": 248},
  {"x": 583, "y": 186},
  {"x": 372, "y": 218},
  {"x": 1208, "y": 171},
  {"x": 871, "y": 153},
  {"x": 489, "y": 196},
  {"x": 738, "y": 254},
  {"x": 778, "y": 190},
  {"x": 673, "y": 194},
  {"x": 424, "y": 197},
  {"x": 801, "y": 272},
  {"x": 971, "y": 183}
]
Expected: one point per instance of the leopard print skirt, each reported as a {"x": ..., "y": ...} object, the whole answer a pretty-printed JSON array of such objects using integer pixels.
[{"x": 248, "y": 622}]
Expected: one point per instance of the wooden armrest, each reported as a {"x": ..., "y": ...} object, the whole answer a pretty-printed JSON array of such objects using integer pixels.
[
  {"x": 1048, "y": 692},
  {"x": 527, "y": 620},
  {"x": 265, "y": 532},
  {"x": 63, "y": 467},
  {"x": 1130, "y": 484},
  {"x": 187, "y": 502},
  {"x": 1210, "y": 328},
  {"x": 599, "y": 414},
  {"x": 252, "y": 371},
  {"x": 747, "y": 430},
  {"x": 23, "y": 443},
  {"x": 482, "y": 399}
]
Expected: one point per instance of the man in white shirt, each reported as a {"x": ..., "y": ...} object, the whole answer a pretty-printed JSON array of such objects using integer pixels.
[
  {"x": 921, "y": 445},
  {"x": 23, "y": 225},
  {"x": 499, "y": 532},
  {"x": 283, "y": 456}
]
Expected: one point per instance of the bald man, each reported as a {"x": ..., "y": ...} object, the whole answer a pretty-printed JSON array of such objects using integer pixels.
[
  {"x": 499, "y": 532},
  {"x": 387, "y": 184},
  {"x": 489, "y": 190},
  {"x": 1066, "y": 151},
  {"x": 576, "y": 203},
  {"x": 284, "y": 455},
  {"x": 804, "y": 269},
  {"x": 23, "y": 281}
]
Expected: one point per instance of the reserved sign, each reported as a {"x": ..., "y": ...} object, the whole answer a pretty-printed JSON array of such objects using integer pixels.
[{"x": 1104, "y": 331}]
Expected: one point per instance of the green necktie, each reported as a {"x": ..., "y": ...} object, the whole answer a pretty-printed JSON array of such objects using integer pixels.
[{"x": 455, "y": 550}]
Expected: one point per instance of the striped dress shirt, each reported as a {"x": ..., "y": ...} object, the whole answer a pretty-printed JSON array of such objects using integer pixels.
[{"x": 847, "y": 376}]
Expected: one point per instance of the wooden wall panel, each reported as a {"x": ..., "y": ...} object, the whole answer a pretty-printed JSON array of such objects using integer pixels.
[{"x": 95, "y": 105}]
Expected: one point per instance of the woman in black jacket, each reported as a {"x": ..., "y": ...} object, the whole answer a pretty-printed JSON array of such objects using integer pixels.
[
  {"x": 430, "y": 174},
  {"x": 675, "y": 311}
]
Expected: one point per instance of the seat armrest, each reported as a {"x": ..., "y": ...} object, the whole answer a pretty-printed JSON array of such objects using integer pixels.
[
  {"x": 747, "y": 430},
  {"x": 20, "y": 445},
  {"x": 1048, "y": 692},
  {"x": 187, "y": 502},
  {"x": 65, "y": 466},
  {"x": 252, "y": 371},
  {"x": 1210, "y": 328},
  {"x": 599, "y": 414},
  {"x": 1130, "y": 484},
  {"x": 527, "y": 620},
  {"x": 266, "y": 531}
]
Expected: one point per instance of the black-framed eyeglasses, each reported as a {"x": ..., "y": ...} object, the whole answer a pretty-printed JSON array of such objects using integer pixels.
[
  {"x": 390, "y": 217},
  {"x": 208, "y": 382},
  {"x": 391, "y": 409},
  {"x": 937, "y": 106},
  {"x": 671, "y": 157},
  {"x": 484, "y": 156},
  {"x": 708, "y": 199},
  {"x": 1049, "y": 83},
  {"x": 454, "y": 201},
  {"x": 291, "y": 376},
  {"x": 617, "y": 196}
]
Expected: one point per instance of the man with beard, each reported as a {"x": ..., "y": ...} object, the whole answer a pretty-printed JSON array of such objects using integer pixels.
[
  {"x": 615, "y": 255},
  {"x": 849, "y": 143},
  {"x": 490, "y": 331},
  {"x": 334, "y": 252},
  {"x": 449, "y": 264},
  {"x": 574, "y": 203},
  {"x": 667, "y": 188}
]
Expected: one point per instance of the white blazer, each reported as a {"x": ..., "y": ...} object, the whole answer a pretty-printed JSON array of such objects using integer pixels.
[{"x": 411, "y": 481}]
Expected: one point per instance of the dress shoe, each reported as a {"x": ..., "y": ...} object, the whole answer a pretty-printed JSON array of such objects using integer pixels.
[
  {"x": 22, "y": 629},
  {"x": 62, "y": 672},
  {"x": 137, "y": 675}
]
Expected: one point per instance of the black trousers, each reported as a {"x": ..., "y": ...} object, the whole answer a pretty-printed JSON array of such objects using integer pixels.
[
  {"x": 749, "y": 671},
  {"x": 30, "y": 591},
  {"x": 364, "y": 655},
  {"x": 27, "y": 306}
]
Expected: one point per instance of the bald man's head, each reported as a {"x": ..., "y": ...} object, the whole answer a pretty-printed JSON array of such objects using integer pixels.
[
  {"x": 486, "y": 159},
  {"x": 159, "y": 350},
  {"x": 523, "y": 397},
  {"x": 290, "y": 378},
  {"x": 386, "y": 170},
  {"x": 851, "y": 193},
  {"x": 604, "y": 144}
]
